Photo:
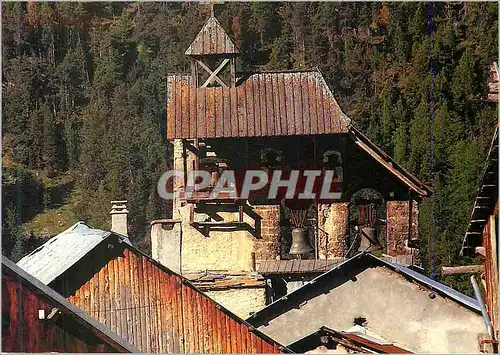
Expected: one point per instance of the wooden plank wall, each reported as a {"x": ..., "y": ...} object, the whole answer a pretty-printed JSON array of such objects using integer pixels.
[
  {"x": 490, "y": 239},
  {"x": 22, "y": 331},
  {"x": 159, "y": 312}
]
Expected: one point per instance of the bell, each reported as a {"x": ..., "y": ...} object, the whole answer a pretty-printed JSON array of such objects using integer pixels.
[
  {"x": 368, "y": 240},
  {"x": 300, "y": 242}
]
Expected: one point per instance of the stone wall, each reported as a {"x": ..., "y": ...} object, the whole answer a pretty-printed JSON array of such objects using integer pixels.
[
  {"x": 267, "y": 247},
  {"x": 165, "y": 244},
  {"x": 396, "y": 309},
  {"x": 397, "y": 228},
  {"x": 240, "y": 301},
  {"x": 332, "y": 229}
]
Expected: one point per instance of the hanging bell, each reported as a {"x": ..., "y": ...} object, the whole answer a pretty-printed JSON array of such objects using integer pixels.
[
  {"x": 369, "y": 241},
  {"x": 300, "y": 242}
]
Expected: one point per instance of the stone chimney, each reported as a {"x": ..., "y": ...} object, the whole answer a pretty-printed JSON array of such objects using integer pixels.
[{"x": 119, "y": 214}]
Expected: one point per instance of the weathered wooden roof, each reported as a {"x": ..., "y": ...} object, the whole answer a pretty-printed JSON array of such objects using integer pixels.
[
  {"x": 212, "y": 40},
  {"x": 486, "y": 199},
  {"x": 263, "y": 104},
  {"x": 387, "y": 162},
  {"x": 286, "y": 267},
  {"x": 144, "y": 280},
  {"x": 61, "y": 252}
]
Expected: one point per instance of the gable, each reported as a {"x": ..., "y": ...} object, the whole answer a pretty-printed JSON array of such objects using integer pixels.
[
  {"x": 400, "y": 311},
  {"x": 212, "y": 39},
  {"x": 158, "y": 310}
]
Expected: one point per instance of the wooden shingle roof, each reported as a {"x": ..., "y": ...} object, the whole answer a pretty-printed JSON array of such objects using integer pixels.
[
  {"x": 263, "y": 104},
  {"x": 212, "y": 40}
]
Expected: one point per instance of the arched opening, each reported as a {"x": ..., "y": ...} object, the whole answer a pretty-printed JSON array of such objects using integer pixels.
[{"x": 367, "y": 211}]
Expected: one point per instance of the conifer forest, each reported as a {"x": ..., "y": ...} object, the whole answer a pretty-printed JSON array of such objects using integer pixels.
[{"x": 83, "y": 101}]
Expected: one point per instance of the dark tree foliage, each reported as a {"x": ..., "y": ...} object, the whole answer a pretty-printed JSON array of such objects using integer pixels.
[{"x": 84, "y": 88}]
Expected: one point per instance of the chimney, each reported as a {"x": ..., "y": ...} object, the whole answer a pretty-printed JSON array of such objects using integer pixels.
[{"x": 119, "y": 214}]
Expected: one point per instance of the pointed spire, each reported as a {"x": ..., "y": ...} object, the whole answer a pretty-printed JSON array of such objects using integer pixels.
[{"x": 212, "y": 40}]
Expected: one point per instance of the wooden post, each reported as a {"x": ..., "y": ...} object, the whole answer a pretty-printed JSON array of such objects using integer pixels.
[{"x": 465, "y": 269}]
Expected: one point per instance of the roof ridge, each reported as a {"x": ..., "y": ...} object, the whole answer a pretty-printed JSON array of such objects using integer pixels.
[{"x": 457, "y": 296}]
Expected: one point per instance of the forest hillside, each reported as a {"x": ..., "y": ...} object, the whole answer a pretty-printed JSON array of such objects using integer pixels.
[{"x": 83, "y": 100}]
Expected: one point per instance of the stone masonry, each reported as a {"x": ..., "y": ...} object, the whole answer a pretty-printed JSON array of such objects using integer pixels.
[
  {"x": 267, "y": 248},
  {"x": 332, "y": 229},
  {"x": 397, "y": 228}
]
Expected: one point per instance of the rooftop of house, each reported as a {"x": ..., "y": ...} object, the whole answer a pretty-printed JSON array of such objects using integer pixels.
[
  {"x": 46, "y": 263},
  {"x": 343, "y": 270},
  {"x": 59, "y": 253},
  {"x": 64, "y": 306}
]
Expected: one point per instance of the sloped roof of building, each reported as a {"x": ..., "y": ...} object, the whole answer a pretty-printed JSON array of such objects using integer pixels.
[
  {"x": 80, "y": 248},
  {"x": 354, "y": 339},
  {"x": 360, "y": 261},
  {"x": 388, "y": 163},
  {"x": 286, "y": 267},
  {"x": 64, "y": 306},
  {"x": 485, "y": 202},
  {"x": 212, "y": 39},
  {"x": 59, "y": 253},
  {"x": 269, "y": 104},
  {"x": 262, "y": 104}
]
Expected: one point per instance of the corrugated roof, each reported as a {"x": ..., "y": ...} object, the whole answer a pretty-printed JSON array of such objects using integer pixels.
[
  {"x": 263, "y": 104},
  {"x": 59, "y": 253},
  {"x": 486, "y": 199},
  {"x": 65, "y": 306},
  {"x": 361, "y": 260},
  {"x": 212, "y": 39}
]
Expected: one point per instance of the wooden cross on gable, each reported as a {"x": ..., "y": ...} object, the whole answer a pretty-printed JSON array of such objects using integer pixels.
[
  {"x": 213, "y": 74},
  {"x": 211, "y": 48}
]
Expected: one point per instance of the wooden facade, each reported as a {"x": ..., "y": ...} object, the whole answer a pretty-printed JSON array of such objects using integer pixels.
[
  {"x": 153, "y": 308},
  {"x": 64, "y": 327},
  {"x": 490, "y": 245},
  {"x": 481, "y": 237}
]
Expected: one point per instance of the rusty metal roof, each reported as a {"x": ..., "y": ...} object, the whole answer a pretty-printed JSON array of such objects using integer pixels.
[
  {"x": 66, "y": 307},
  {"x": 62, "y": 251},
  {"x": 486, "y": 199},
  {"x": 280, "y": 267},
  {"x": 212, "y": 39},
  {"x": 262, "y": 104}
]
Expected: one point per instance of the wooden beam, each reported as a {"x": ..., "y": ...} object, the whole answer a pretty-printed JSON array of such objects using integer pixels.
[
  {"x": 213, "y": 74},
  {"x": 481, "y": 251},
  {"x": 465, "y": 269}
]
